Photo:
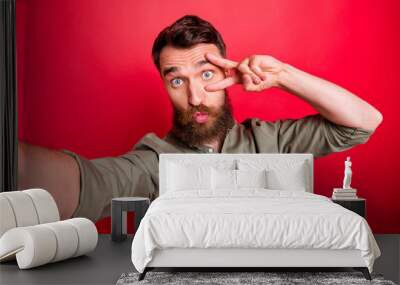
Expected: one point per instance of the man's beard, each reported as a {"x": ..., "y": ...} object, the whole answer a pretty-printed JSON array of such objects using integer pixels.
[{"x": 195, "y": 134}]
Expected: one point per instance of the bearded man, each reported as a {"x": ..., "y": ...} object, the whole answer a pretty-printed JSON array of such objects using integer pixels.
[{"x": 190, "y": 56}]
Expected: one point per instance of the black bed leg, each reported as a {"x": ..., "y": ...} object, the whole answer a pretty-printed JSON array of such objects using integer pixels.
[
  {"x": 142, "y": 275},
  {"x": 364, "y": 271}
]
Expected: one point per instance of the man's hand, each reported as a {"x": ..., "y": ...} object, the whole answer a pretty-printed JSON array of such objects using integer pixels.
[
  {"x": 260, "y": 72},
  {"x": 255, "y": 73}
]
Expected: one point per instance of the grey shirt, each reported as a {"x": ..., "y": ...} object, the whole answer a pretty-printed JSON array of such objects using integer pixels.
[{"x": 135, "y": 173}]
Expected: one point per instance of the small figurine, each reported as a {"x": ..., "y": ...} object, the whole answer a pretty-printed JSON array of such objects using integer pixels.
[{"x": 347, "y": 174}]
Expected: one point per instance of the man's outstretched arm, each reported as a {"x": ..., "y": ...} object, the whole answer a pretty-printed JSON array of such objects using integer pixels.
[
  {"x": 333, "y": 102},
  {"x": 53, "y": 171}
]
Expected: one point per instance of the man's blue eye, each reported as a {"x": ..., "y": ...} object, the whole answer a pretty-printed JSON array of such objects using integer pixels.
[
  {"x": 176, "y": 82},
  {"x": 207, "y": 75}
]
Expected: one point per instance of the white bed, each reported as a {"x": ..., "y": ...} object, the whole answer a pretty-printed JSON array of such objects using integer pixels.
[{"x": 247, "y": 210}]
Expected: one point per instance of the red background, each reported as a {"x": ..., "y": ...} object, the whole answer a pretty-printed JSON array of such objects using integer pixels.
[{"x": 86, "y": 81}]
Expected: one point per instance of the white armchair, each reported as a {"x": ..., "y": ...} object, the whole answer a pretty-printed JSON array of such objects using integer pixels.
[{"x": 31, "y": 232}]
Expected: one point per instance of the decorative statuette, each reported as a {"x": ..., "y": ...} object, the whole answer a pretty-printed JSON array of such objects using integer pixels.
[
  {"x": 347, "y": 174},
  {"x": 347, "y": 192}
]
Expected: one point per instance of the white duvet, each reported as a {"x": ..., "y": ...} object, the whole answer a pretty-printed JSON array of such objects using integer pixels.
[{"x": 251, "y": 218}]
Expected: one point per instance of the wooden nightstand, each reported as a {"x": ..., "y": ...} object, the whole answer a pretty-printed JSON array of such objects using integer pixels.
[{"x": 356, "y": 205}]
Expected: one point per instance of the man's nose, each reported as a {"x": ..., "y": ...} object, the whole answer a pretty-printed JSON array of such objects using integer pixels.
[{"x": 196, "y": 94}]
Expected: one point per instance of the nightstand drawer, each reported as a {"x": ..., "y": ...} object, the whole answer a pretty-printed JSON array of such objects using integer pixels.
[{"x": 357, "y": 205}]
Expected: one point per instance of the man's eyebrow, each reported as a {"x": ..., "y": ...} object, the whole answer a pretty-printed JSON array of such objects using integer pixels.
[
  {"x": 169, "y": 70},
  {"x": 174, "y": 68},
  {"x": 203, "y": 62}
]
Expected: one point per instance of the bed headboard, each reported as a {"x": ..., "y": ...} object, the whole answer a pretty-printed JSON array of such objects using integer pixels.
[{"x": 238, "y": 161}]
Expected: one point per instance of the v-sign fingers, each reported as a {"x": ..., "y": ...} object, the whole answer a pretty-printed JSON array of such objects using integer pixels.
[
  {"x": 225, "y": 83},
  {"x": 221, "y": 62},
  {"x": 244, "y": 68}
]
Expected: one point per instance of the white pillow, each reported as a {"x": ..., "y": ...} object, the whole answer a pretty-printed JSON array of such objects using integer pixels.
[
  {"x": 186, "y": 177},
  {"x": 251, "y": 178},
  {"x": 293, "y": 178},
  {"x": 223, "y": 179},
  {"x": 281, "y": 174},
  {"x": 236, "y": 179}
]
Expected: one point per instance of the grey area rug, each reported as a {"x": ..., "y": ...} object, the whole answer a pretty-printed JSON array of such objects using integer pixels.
[{"x": 225, "y": 278}]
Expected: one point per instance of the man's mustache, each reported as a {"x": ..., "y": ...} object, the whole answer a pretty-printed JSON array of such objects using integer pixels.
[
  {"x": 201, "y": 108},
  {"x": 186, "y": 116}
]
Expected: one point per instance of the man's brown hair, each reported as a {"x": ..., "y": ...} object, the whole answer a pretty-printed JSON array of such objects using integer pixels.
[{"x": 185, "y": 33}]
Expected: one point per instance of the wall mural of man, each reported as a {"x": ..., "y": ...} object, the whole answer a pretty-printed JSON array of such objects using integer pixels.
[{"x": 190, "y": 56}]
